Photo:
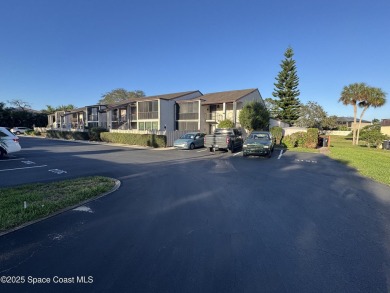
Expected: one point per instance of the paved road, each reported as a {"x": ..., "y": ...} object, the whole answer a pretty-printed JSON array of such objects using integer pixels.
[{"x": 190, "y": 221}]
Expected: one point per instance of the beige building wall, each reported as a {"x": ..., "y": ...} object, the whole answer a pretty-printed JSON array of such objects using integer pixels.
[{"x": 385, "y": 130}]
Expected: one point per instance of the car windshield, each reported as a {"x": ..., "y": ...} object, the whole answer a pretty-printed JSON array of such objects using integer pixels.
[
  {"x": 262, "y": 136},
  {"x": 188, "y": 136}
]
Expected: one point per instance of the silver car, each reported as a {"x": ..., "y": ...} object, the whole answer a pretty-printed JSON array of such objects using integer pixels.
[
  {"x": 9, "y": 143},
  {"x": 20, "y": 130},
  {"x": 189, "y": 141}
]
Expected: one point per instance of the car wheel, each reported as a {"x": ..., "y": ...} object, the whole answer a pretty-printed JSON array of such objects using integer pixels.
[
  {"x": 244, "y": 154},
  {"x": 17, "y": 132},
  {"x": 232, "y": 148},
  {"x": 192, "y": 146},
  {"x": 211, "y": 149}
]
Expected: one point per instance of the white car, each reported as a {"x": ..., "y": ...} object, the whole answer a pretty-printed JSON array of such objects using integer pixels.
[
  {"x": 20, "y": 130},
  {"x": 9, "y": 143}
]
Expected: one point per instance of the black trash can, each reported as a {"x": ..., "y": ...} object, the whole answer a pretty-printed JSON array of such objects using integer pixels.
[
  {"x": 325, "y": 142},
  {"x": 386, "y": 145}
]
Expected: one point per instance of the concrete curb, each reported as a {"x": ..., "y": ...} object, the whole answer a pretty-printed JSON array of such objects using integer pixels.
[{"x": 115, "y": 188}]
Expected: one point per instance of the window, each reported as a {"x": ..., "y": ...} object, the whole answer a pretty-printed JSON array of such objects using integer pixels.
[
  {"x": 148, "y": 110},
  {"x": 184, "y": 125},
  {"x": 92, "y": 114},
  {"x": 141, "y": 125},
  {"x": 187, "y": 111}
]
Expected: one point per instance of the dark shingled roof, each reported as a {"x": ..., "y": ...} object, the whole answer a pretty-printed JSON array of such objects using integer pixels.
[
  {"x": 148, "y": 98},
  {"x": 225, "y": 97},
  {"x": 385, "y": 122},
  {"x": 350, "y": 119}
]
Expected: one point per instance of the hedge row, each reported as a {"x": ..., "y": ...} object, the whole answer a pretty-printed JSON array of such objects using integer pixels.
[
  {"x": 68, "y": 134},
  {"x": 152, "y": 140},
  {"x": 307, "y": 139}
]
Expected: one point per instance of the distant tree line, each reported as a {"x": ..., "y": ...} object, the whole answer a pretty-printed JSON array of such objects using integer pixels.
[{"x": 21, "y": 115}]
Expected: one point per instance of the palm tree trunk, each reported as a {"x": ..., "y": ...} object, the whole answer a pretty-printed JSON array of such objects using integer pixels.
[
  {"x": 360, "y": 123},
  {"x": 354, "y": 124}
]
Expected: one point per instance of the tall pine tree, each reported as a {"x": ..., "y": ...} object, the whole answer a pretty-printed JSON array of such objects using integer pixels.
[{"x": 286, "y": 89}]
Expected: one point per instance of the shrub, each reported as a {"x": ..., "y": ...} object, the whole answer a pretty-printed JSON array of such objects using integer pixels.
[
  {"x": 94, "y": 133},
  {"x": 227, "y": 123},
  {"x": 254, "y": 116},
  {"x": 277, "y": 132},
  {"x": 68, "y": 135},
  {"x": 300, "y": 138},
  {"x": 342, "y": 128},
  {"x": 373, "y": 137},
  {"x": 311, "y": 138},
  {"x": 289, "y": 141},
  {"x": 152, "y": 140}
]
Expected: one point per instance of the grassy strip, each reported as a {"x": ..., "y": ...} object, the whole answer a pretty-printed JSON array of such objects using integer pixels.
[
  {"x": 370, "y": 162},
  {"x": 45, "y": 199}
]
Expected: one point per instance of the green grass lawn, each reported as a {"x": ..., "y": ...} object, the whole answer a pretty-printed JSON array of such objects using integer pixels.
[
  {"x": 46, "y": 199},
  {"x": 370, "y": 162}
]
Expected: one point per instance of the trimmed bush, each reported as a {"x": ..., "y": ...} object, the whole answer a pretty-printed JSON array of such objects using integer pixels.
[
  {"x": 277, "y": 132},
  {"x": 311, "y": 138},
  {"x": 94, "y": 133},
  {"x": 226, "y": 124},
  {"x": 152, "y": 140},
  {"x": 68, "y": 135},
  {"x": 289, "y": 142}
]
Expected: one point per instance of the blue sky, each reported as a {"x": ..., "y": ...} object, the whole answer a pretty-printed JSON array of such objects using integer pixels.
[{"x": 73, "y": 51}]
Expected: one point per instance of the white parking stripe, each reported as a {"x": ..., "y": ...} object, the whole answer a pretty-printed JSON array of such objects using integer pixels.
[
  {"x": 281, "y": 153},
  {"x": 23, "y": 168},
  {"x": 236, "y": 154},
  {"x": 201, "y": 151}
]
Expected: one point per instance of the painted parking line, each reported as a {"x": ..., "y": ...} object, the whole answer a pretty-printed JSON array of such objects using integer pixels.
[
  {"x": 307, "y": 161},
  {"x": 14, "y": 169},
  {"x": 57, "y": 171},
  {"x": 236, "y": 154},
  {"x": 281, "y": 153},
  {"x": 201, "y": 151}
]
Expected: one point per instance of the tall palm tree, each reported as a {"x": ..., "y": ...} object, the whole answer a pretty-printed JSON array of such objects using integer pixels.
[
  {"x": 374, "y": 97},
  {"x": 352, "y": 95}
]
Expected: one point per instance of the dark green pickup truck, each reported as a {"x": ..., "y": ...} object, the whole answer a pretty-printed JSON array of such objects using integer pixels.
[{"x": 224, "y": 139}]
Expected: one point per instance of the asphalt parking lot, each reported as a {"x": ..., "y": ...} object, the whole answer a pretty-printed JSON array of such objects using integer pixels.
[
  {"x": 43, "y": 160},
  {"x": 193, "y": 221}
]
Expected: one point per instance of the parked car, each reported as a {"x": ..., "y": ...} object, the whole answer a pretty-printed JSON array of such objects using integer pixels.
[
  {"x": 189, "y": 141},
  {"x": 258, "y": 143},
  {"x": 20, "y": 130},
  {"x": 228, "y": 139},
  {"x": 9, "y": 143}
]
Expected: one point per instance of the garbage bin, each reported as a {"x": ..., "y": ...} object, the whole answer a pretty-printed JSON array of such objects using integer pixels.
[
  {"x": 325, "y": 142},
  {"x": 386, "y": 145}
]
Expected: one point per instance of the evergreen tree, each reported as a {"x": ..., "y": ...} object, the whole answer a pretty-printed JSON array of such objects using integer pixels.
[
  {"x": 286, "y": 89},
  {"x": 254, "y": 116}
]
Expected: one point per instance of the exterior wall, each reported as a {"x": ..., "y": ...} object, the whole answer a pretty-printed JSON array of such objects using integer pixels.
[
  {"x": 361, "y": 126},
  {"x": 167, "y": 115},
  {"x": 336, "y": 132},
  {"x": 291, "y": 130},
  {"x": 252, "y": 97},
  {"x": 274, "y": 122},
  {"x": 385, "y": 130}
]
